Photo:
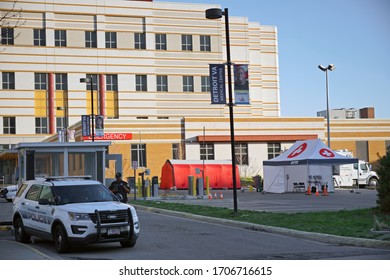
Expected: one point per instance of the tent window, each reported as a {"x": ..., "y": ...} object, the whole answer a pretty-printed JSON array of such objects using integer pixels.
[{"x": 273, "y": 149}]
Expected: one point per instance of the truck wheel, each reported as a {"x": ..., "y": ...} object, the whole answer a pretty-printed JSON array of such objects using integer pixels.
[
  {"x": 61, "y": 239},
  {"x": 373, "y": 182},
  {"x": 129, "y": 242},
  {"x": 20, "y": 233}
]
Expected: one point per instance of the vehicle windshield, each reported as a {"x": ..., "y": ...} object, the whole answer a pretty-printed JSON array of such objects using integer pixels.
[{"x": 82, "y": 194}]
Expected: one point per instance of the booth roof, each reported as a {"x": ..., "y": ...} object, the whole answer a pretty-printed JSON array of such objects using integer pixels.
[{"x": 309, "y": 151}]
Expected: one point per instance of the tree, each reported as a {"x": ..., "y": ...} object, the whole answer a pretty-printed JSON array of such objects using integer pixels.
[{"x": 384, "y": 183}]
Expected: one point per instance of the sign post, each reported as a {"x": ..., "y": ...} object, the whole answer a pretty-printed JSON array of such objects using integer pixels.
[{"x": 134, "y": 165}]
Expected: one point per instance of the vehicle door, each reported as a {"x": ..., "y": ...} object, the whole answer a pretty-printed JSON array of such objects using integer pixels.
[
  {"x": 29, "y": 207},
  {"x": 45, "y": 208},
  {"x": 363, "y": 173}
]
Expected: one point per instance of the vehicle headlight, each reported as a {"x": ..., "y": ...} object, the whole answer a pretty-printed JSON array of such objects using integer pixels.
[{"x": 78, "y": 216}]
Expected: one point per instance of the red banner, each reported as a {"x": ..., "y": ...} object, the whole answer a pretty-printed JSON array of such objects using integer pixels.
[{"x": 111, "y": 136}]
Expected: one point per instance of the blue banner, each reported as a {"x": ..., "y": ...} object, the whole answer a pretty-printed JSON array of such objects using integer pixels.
[
  {"x": 217, "y": 83},
  {"x": 86, "y": 125}
]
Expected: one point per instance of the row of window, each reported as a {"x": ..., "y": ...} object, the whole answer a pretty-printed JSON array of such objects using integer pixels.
[
  {"x": 60, "y": 39},
  {"x": 61, "y": 82}
]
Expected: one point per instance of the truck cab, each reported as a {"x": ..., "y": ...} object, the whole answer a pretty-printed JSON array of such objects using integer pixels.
[{"x": 367, "y": 177}]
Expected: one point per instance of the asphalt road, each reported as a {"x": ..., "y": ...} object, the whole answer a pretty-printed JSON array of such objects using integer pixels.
[{"x": 172, "y": 238}]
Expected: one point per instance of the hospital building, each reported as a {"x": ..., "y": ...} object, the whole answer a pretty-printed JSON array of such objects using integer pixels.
[{"x": 148, "y": 63}]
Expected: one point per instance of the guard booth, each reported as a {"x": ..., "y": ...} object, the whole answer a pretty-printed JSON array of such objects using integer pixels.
[{"x": 44, "y": 159}]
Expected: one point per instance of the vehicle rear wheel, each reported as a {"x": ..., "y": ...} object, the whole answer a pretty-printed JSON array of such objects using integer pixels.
[
  {"x": 129, "y": 242},
  {"x": 20, "y": 233},
  {"x": 61, "y": 239}
]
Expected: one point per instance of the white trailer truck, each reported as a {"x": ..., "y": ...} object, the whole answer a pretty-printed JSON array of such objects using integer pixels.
[{"x": 347, "y": 175}]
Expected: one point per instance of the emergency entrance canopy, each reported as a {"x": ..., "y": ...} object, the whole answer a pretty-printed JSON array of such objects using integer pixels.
[
  {"x": 304, "y": 160},
  {"x": 174, "y": 173}
]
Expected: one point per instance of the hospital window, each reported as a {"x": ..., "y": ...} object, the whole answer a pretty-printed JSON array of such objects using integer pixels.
[
  {"x": 111, "y": 40},
  {"x": 273, "y": 149},
  {"x": 141, "y": 83},
  {"x": 39, "y": 37},
  {"x": 162, "y": 83},
  {"x": 188, "y": 83},
  {"x": 90, "y": 39},
  {"x": 60, "y": 38},
  {"x": 241, "y": 151},
  {"x": 61, "y": 81},
  {"x": 138, "y": 154},
  {"x": 8, "y": 80},
  {"x": 7, "y": 36},
  {"x": 41, "y": 126},
  {"x": 186, "y": 42},
  {"x": 205, "y": 43},
  {"x": 9, "y": 126},
  {"x": 175, "y": 151},
  {"x": 161, "y": 42},
  {"x": 205, "y": 83},
  {"x": 40, "y": 80},
  {"x": 207, "y": 152},
  {"x": 139, "y": 41}
]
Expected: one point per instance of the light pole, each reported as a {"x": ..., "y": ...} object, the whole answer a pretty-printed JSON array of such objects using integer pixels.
[
  {"x": 215, "y": 13},
  {"x": 65, "y": 109},
  {"x": 90, "y": 80},
  {"x": 330, "y": 67}
]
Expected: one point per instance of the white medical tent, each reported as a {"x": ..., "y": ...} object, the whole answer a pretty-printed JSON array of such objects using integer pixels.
[{"x": 305, "y": 159}]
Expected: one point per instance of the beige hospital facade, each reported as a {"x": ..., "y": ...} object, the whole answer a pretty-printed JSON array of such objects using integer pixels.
[{"x": 149, "y": 62}]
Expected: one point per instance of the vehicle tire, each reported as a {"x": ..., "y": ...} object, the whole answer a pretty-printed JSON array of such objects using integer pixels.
[
  {"x": 129, "y": 242},
  {"x": 61, "y": 239},
  {"x": 9, "y": 200},
  {"x": 373, "y": 182},
  {"x": 20, "y": 233}
]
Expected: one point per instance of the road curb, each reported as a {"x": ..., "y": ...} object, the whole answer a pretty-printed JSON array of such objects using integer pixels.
[{"x": 320, "y": 237}]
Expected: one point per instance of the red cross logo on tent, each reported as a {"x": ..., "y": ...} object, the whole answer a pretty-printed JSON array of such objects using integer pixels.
[
  {"x": 326, "y": 153},
  {"x": 301, "y": 148}
]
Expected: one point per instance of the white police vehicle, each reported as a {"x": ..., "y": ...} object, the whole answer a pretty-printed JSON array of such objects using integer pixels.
[{"x": 72, "y": 211}]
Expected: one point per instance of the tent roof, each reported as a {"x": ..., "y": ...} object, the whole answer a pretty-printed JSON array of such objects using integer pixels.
[{"x": 310, "y": 151}]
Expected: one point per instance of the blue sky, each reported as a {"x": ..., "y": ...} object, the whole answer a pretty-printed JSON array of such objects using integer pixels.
[{"x": 354, "y": 35}]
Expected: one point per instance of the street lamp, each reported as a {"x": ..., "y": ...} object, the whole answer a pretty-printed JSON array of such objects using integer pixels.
[
  {"x": 62, "y": 108},
  {"x": 90, "y": 80},
  {"x": 216, "y": 13},
  {"x": 330, "y": 67}
]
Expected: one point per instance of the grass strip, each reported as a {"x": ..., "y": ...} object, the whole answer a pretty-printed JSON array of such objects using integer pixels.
[{"x": 350, "y": 223}]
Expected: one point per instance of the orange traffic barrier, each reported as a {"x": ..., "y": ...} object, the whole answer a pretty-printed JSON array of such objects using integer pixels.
[
  {"x": 317, "y": 193},
  {"x": 210, "y": 196},
  {"x": 308, "y": 192},
  {"x": 215, "y": 195},
  {"x": 325, "y": 192},
  {"x": 220, "y": 195}
]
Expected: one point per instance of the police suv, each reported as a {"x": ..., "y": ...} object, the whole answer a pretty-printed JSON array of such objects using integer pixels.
[{"x": 72, "y": 211}]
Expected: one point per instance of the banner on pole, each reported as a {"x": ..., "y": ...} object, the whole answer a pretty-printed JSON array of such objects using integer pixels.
[
  {"x": 86, "y": 125},
  {"x": 217, "y": 83},
  {"x": 241, "y": 84}
]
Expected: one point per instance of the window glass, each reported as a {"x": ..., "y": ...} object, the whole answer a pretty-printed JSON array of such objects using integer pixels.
[{"x": 33, "y": 192}]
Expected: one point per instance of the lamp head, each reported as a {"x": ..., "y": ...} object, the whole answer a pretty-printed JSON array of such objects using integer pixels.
[
  {"x": 322, "y": 67},
  {"x": 331, "y": 67},
  {"x": 85, "y": 80},
  {"x": 214, "y": 13}
]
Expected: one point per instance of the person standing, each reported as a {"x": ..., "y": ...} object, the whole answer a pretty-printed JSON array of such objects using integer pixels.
[{"x": 120, "y": 187}]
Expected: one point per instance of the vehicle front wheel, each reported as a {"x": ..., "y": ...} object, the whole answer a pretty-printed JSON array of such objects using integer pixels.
[
  {"x": 129, "y": 242},
  {"x": 20, "y": 233},
  {"x": 61, "y": 239},
  {"x": 373, "y": 182}
]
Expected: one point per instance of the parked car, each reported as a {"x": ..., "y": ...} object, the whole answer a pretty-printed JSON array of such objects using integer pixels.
[
  {"x": 72, "y": 211},
  {"x": 9, "y": 192}
]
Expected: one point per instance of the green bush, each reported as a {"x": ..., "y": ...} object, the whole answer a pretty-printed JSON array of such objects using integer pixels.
[{"x": 384, "y": 183}]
